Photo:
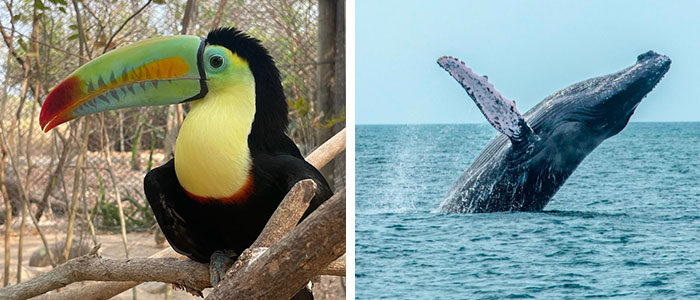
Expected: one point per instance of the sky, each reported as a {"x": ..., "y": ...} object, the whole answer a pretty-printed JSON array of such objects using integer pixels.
[{"x": 528, "y": 49}]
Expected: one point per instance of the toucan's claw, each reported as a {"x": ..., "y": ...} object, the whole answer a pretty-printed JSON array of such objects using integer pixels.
[{"x": 219, "y": 263}]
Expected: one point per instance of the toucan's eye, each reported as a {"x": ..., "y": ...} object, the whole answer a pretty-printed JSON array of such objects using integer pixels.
[{"x": 216, "y": 61}]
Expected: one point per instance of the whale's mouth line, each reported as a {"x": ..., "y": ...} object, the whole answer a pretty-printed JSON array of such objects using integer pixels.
[{"x": 644, "y": 93}]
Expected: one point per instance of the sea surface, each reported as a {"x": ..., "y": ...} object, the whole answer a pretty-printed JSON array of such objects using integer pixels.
[{"x": 626, "y": 225}]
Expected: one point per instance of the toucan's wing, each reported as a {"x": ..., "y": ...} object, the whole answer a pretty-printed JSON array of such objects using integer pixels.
[
  {"x": 499, "y": 111},
  {"x": 168, "y": 202},
  {"x": 277, "y": 173},
  {"x": 274, "y": 176},
  {"x": 323, "y": 189}
]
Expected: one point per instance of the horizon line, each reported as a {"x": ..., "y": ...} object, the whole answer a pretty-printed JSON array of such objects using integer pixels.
[{"x": 480, "y": 123}]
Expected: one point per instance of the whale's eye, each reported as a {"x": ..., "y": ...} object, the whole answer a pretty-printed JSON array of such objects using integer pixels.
[{"x": 216, "y": 61}]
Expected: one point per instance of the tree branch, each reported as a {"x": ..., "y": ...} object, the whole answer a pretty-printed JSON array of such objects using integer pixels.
[
  {"x": 314, "y": 247},
  {"x": 329, "y": 150},
  {"x": 336, "y": 268},
  {"x": 287, "y": 214},
  {"x": 302, "y": 248},
  {"x": 106, "y": 290},
  {"x": 219, "y": 12},
  {"x": 180, "y": 272},
  {"x": 287, "y": 266},
  {"x": 102, "y": 290}
]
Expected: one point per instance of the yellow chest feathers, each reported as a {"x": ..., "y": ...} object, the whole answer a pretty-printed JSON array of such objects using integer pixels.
[{"x": 212, "y": 158}]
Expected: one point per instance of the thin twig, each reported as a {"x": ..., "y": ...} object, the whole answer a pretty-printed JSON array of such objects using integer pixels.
[
  {"x": 20, "y": 61},
  {"x": 219, "y": 12},
  {"x": 76, "y": 183},
  {"x": 187, "y": 16},
  {"x": 8, "y": 213},
  {"x": 20, "y": 243},
  {"x": 83, "y": 148},
  {"x": 122, "y": 223},
  {"x": 81, "y": 34},
  {"x": 87, "y": 215},
  {"x": 109, "y": 42},
  {"x": 14, "y": 163},
  {"x": 45, "y": 202}
]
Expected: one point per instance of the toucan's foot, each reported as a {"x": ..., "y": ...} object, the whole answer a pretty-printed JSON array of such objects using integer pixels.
[{"x": 219, "y": 263}]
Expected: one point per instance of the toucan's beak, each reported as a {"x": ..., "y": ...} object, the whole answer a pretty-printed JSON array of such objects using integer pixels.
[{"x": 157, "y": 71}]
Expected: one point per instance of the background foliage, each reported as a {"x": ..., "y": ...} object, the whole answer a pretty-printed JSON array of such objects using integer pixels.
[{"x": 86, "y": 188}]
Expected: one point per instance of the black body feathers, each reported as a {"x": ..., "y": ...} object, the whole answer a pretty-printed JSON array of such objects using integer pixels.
[{"x": 196, "y": 229}]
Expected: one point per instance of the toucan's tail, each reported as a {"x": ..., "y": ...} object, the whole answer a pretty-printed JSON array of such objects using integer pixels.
[{"x": 304, "y": 294}]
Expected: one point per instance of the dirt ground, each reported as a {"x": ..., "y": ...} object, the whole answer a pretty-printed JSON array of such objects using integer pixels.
[{"x": 140, "y": 245}]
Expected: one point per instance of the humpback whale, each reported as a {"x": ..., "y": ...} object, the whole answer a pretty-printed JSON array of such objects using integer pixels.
[{"x": 526, "y": 164}]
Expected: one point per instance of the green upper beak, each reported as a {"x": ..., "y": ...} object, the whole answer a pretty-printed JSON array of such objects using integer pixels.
[{"x": 156, "y": 71}]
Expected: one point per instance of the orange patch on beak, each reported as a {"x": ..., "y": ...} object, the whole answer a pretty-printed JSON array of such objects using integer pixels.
[
  {"x": 171, "y": 67},
  {"x": 73, "y": 92}
]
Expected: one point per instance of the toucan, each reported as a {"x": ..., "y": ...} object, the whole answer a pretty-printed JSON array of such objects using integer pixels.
[{"x": 233, "y": 162}]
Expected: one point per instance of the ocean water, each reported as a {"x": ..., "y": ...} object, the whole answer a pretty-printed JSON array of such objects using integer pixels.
[{"x": 626, "y": 224}]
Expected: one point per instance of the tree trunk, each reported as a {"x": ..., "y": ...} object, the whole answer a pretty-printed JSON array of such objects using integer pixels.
[
  {"x": 3, "y": 161},
  {"x": 325, "y": 74},
  {"x": 339, "y": 89}
]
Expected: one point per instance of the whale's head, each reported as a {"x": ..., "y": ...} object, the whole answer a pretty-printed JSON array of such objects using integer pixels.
[
  {"x": 621, "y": 92},
  {"x": 603, "y": 105},
  {"x": 575, "y": 120}
]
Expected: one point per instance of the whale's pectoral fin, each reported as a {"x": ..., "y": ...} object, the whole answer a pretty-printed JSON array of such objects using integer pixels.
[{"x": 499, "y": 111}]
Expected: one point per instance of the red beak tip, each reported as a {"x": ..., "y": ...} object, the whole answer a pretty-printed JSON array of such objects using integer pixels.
[
  {"x": 47, "y": 125},
  {"x": 43, "y": 123}
]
